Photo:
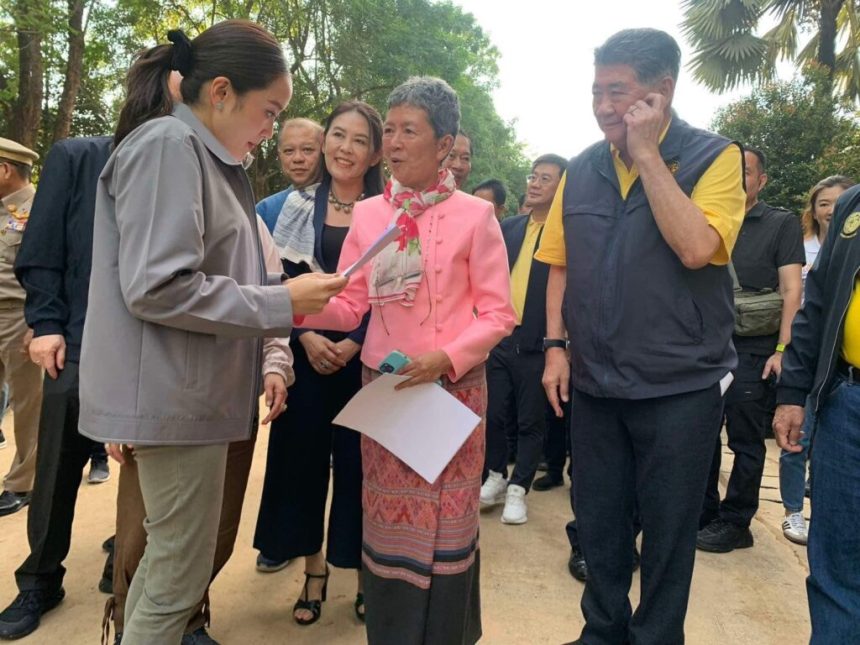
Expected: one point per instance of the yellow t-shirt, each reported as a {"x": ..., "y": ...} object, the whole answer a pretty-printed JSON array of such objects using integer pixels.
[
  {"x": 719, "y": 194},
  {"x": 851, "y": 333},
  {"x": 523, "y": 268}
]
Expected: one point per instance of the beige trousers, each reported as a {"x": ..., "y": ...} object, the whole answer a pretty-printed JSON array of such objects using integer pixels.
[
  {"x": 182, "y": 488},
  {"x": 25, "y": 395}
]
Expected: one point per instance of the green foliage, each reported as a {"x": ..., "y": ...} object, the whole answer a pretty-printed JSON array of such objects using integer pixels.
[
  {"x": 729, "y": 53},
  {"x": 803, "y": 133},
  {"x": 337, "y": 49},
  {"x": 495, "y": 152}
]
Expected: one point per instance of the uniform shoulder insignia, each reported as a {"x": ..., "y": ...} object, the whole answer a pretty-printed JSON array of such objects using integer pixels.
[{"x": 851, "y": 226}]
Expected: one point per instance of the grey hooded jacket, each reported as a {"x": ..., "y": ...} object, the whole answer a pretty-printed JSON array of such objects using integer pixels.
[{"x": 179, "y": 296}]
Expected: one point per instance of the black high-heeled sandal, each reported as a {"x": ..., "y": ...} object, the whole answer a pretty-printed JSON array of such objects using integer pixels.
[
  {"x": 313, "y": 606},
  {"x": 359, "y": 604}
]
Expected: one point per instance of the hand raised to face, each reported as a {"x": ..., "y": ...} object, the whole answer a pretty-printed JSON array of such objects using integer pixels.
[{"x": 644, "y": 121}]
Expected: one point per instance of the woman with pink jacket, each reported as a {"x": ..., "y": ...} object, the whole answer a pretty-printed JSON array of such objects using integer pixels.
[{"x": 441, "y": 295}]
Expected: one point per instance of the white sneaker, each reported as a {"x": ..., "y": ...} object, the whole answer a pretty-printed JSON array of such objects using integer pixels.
[
  {"x": 794, "y": 528},
  {"x": 516, "y": 511},
  {"x": 493, "y": 490}
]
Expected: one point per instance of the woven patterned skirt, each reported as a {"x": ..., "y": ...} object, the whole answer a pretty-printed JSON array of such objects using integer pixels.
[{"x": 421, "y": 563}]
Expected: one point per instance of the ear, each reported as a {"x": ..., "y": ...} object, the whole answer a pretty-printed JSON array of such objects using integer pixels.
[
  {"x": 443, "y": 147},
  {"x": 219, "y": 89},
  {"x": 666, "y": 87},
  {"x": 174, "y": 82},
  {"x": 762, "y": 181}
]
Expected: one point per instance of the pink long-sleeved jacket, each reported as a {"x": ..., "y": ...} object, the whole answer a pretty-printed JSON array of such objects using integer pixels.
[{"x": 463, "y": 305}]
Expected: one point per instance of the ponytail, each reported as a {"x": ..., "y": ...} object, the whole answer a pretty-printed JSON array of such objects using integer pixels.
[
  {"x": 148, "y": 94},
  {"x": 240, "y": 50}
]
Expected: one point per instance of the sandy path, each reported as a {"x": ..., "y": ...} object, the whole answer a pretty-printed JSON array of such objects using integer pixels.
[{"x": 754, "y": 596}]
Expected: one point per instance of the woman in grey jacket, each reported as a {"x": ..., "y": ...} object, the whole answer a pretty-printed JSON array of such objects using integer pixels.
[{"x": 180, "y": 299}]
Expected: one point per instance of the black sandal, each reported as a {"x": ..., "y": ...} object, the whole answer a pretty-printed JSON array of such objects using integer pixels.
[
  {"x": 313, "y": 606},
  {"x": 359, "y": 604}
]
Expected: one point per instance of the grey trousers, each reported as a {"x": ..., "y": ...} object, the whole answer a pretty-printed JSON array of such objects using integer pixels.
[{"x": 182, "y": 488}]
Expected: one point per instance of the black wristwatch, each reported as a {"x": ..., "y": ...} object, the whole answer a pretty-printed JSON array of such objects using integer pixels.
[{"x": 561, "y": 343}]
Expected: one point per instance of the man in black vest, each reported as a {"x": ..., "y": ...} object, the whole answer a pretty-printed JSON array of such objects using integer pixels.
[
  {"x": 515, "y": 366},
  {"x": 639, "y": 238},
  {"x": 768, "y": 255}
]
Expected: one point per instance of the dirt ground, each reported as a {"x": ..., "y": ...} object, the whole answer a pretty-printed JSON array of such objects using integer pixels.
[{"x": 753, "y": 596}]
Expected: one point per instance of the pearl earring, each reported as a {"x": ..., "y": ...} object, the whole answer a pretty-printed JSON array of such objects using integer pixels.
[{"x": 220, "y": 105}]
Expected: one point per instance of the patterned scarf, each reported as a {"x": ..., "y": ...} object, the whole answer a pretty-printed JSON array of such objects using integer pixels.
[
  {"x": 398, "y": 269},
  {"x": 294, "y": 231}
]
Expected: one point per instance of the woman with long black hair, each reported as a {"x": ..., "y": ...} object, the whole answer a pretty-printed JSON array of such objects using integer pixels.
[
  {"x": 304, "y": 443},
  {"x": 180, "y": 298}
]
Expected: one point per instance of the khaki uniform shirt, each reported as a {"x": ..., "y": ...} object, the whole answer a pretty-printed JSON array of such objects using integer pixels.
[{"x": 13, "y": 220}]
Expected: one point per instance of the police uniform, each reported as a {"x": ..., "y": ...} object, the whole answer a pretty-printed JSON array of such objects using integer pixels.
[{"x": 23, "y": 376}]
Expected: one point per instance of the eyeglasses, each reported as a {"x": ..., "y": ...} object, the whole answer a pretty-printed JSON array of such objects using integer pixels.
[{"x": 543, "y": 180}]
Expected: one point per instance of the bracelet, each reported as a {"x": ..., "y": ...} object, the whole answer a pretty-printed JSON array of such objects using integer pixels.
[{"x": 780, "y": 348}]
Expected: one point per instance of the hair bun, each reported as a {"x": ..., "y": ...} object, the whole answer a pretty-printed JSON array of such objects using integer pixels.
[{"x": 181, "y": 58}]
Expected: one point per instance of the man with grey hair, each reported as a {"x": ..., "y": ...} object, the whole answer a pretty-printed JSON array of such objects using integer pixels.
[
  {"x": 459, "y": 160},
  {"x": 639, "y": 260},
  {"x": 300, "y": 154}
]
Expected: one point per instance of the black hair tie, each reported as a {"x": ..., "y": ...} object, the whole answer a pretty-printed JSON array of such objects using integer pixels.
[{"x": 181, "y": 58}]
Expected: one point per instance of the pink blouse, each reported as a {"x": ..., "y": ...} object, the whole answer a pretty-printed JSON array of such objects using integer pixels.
[{"x": 463, "y": 304}]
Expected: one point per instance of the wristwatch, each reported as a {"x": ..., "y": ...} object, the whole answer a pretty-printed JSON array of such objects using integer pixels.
[{"x": 561, "y": 343}]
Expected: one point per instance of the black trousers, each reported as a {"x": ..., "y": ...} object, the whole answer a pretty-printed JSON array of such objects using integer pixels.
[
  {"x": 653, "y": 455},
  {"x": 750, "y": 405},
  {"x": 304, "y": 449},
  {"x": 515, "y": 395},
  {"x": 60, "y": 460},
  {"x": 557, "y": 441}
]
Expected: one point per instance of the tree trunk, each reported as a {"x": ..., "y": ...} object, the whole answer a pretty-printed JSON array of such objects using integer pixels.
[
  {"x": 827, "y": 34},
  {"x": 27, "y": 111},
  {"x": 74, "y": 70}
]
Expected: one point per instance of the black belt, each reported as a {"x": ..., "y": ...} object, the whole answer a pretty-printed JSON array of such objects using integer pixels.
[{"x": 848, "y": 371}]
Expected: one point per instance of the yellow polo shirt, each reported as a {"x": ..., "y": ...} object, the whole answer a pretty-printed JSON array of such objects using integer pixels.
[
  {"x": 523, "y": 268},
  {"x": 851, "y": 332},
  {"x": 719, "y": 194}
]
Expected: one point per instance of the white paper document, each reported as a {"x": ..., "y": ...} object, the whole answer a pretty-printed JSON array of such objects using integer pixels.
[
  {"x": 424, "y": 425},
  {"x": 388, "y": 236}
]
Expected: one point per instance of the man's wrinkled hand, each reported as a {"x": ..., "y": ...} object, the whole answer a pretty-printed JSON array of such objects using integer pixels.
[
  {"x": 644, "y": 121},
  {"x": 556, "y": 378},
  {"x": 787, "y": 427},
  {"x": 49, "y": 352}
]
